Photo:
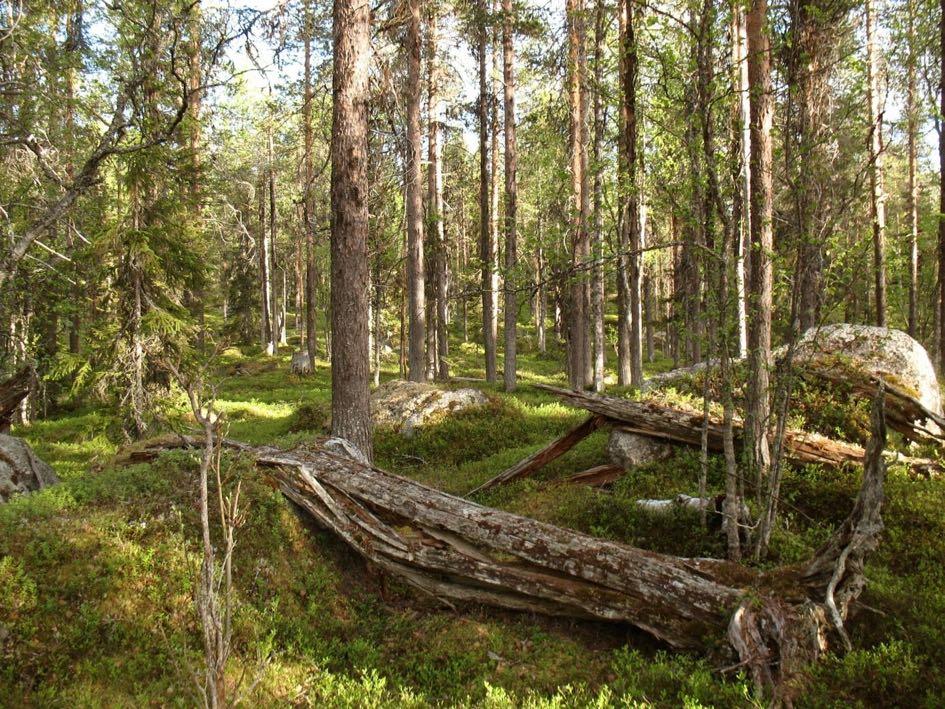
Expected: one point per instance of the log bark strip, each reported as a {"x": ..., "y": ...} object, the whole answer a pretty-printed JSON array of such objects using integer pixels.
[
  {"x": 547, "y": 454},
  {"x": 774, "y": 622},
  {"x": 598, "y": 476}
]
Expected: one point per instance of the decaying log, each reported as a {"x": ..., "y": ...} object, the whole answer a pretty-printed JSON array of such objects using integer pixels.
[
  {"x": 454, "y": 549},
  {"x": 904, "y": 413},
  {"x": 547, "y": 454},
  {"x": 670, "y": 423},
  {"x": 12, "y": 392},
  {"x": 598, "y": 476}
]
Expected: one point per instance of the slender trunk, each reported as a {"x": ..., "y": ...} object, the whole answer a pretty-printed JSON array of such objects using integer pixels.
[
  {"x": 941, "y": 196},
  {"x": 761, "y": 203},
  {"x": 511, "y": 198},
  {"x": 486, "y": 252},
  {"x": 877, "y": 191},
  {"x": 308, "y": 202},
  {"x": 274, "y": 307},
  {"x": 73, "y": 45},
  {"x": 416, "y": 295},
  {"x": 740, "y": 44},
  {"x": 597, "y": 236},
  {"x": 634, "y": 231},
  {"x": 265, "y": 281},
  {"x": 495, "y": 189},
  {"x": 623, "y": 241},
  {"x": 350, "y": 376},
  {"x": 913, "y": 199},
  {"x": 541, "y": 297},
  {"x": 580, "y": 246},
  {"x": 435, "y": 204}
]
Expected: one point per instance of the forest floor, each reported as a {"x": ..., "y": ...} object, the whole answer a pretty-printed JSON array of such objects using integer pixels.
[{"x": 96, "y": 574}]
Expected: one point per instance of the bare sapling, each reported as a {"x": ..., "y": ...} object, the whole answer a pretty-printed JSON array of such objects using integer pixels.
[{"x": 214, "y": 596}]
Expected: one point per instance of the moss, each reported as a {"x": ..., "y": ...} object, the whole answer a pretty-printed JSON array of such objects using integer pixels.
[{"x": 96, "y": 574}]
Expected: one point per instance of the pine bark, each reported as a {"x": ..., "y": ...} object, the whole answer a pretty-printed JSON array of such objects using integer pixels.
[
  {"x": 761, "y": 214},
  {"x": 416, "y": 274},
  {"x": 436, "y": 203},
  {"x": 308, "y": 201},
  {"x": 579, "y": 351},
  {"x": 486, "y": 246},
  {"x": 941, "y": 197},
  {"x": 912, "y": 130},
  {"x": 634, "y": 228},
  {"x": 265, "y": 271},
  {"x": 597, "y": 234},
  {"x": 877, "y": 190},
  {"x": 350, "y": 356},
  {"x": 511, "y": 198},
  {"x": 275, "y": 315}
]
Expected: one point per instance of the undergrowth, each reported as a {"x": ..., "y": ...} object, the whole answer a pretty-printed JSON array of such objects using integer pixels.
[{"x": 96, "y": 574}]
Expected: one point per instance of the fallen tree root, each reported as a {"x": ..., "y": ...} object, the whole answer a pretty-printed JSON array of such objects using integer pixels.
[{"x": 771, "y": 622}]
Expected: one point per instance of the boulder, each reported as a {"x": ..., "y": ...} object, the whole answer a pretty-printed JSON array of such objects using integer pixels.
[
  {"x": 20, "y": 469},
  {"x": 405, "y": 406},
  {"x": 629, "y": 450},
  {"x": 301, "y": 363},
  {"x": 889, "y": 354}
]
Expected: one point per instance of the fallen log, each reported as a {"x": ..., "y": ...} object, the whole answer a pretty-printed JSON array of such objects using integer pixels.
[
  {"x": 772, "y": 623},
  {"x": 598, "y": 476},
  {"x": 904, "y": 413},
  {"x": 679, "y": 425},
  {"x": 539, "y": 459},
  {"x": 12, "y": 392}
]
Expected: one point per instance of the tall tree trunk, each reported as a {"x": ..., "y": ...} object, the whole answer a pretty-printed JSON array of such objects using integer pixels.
[
  {"x": 486, "y": 247},
  {"x": 809, "y": 67},
  {"x": 275, "y": 319},
  {"x": 416, "y": 275},
  {"x": 541, "y": 297},
  {"x": 941, "y": 196},
  {"x": 597, "y": 235},
  {"x": 762, "y": 207},
  {"x": 740, "y": 47},
  {"x": 913, "y": 197},
  {"x": 350, "y": 357},
  {"x": 265, "y": 270},
  {"x": 623, "y": 240},
  {"x": 511, "y": 198},
  {"x": 580, "y": 245},
  {"x": 437, "y": 218},
  {"x": 194, "y": 83},
  {"x": 73, "y": 58},
  {"x": 877, "y": 191},
  {"x": 495, "y": 187},
  {"x": 634, "y": 231},
  {"x": 308, "y": 202}
]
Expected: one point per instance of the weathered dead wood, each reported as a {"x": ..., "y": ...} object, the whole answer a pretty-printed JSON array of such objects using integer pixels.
[
  {"x": 454, "y": 549},
  {"x": 683, "y": 426},
  {"x": 554, "y": 450},
  {"x": 904, "y": 413},
  {"x": 12, "y": 392},
  {"x": 598, "y": 476}
]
